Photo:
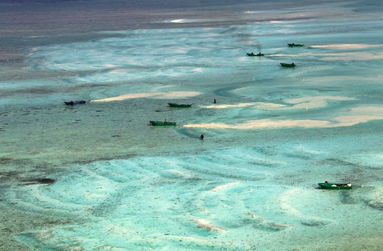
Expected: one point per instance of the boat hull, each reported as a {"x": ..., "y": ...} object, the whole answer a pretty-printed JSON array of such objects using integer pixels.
[
  {"x": 255, "y": 55},
  {"x": 79, "y": 102},
  {"x": 179, "y": 105},
  {"x": 295, "y": 45},
  {"x": 162, "y": 123},
  {"x": 334, "y": 186},
  {"x": 288, "y": 65}
]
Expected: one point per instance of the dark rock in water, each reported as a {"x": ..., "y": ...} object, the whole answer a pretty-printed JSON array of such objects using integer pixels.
[{"x": 46, "y": 181}]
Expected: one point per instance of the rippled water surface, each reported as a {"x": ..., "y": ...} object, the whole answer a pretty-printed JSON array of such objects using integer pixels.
[{"x": 251, "y": 184}]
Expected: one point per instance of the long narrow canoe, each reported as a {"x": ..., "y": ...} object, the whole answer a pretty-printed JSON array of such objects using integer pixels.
[
  {"x": 335, "y": 186},
  {"x": 162, "y": 123},
  {"x": 295, "y": 45},
  {"x": 179, "y": 105},
  {"x": 76, "y": 102},
  {"x": 251, "y": 54},
  {"x": 288, "y": 64}
]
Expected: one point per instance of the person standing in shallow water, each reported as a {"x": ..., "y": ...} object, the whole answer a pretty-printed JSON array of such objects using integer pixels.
[
  {"x": 215, "y": 101},
  {"x": 201, "y": 137}
]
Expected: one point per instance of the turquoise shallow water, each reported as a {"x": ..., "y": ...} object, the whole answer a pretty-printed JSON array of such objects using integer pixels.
[
  {"x": 231, "y": 199},
  {"x": 251, "y": 184}
]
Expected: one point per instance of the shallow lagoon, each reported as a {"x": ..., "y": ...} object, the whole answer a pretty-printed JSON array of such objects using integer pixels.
[{"x": 251, "y": 184}]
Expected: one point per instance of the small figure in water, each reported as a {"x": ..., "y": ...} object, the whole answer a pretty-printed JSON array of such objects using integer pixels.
[
  {"x": 215, "y": 101},
  {"x": 201, "y": 137}
]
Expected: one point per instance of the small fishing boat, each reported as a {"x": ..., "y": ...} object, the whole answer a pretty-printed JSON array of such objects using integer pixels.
[
  {"x": 76, "y": 102},
  {"x": 179, "y": 105},
  {"x": 335, "y": 186},
  {"x": 162, "y": 123},
  {"x": 251, "y": 54},
  {"x": 295, "y": 45},
  {"x": 288, "y": 65}
]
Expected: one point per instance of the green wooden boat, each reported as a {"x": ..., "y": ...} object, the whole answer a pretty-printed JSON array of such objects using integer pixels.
[
  {"x": 251, "y": 54},
  {"x": 295, "y": 45},
  {"x": 335, "y": 186},
  {"x": 288, "y": 65},
  {"x": 179, "y": 105},
  {"x": 162, "y": 123}
]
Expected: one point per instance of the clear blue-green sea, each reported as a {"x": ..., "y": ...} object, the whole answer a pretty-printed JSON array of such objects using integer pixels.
[{"x": 271, "y": 136}]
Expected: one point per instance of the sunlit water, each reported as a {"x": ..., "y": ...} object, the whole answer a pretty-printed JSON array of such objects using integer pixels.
[{"x": 273, "y": 134}]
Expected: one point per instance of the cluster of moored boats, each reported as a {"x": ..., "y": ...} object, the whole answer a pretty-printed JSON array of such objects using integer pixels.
[
  {"x": 288, "y": 65},
  {"x": 169, "y": 123},
  {"x": 151, "y": 122},
  {"x": 324, "y": 185}
]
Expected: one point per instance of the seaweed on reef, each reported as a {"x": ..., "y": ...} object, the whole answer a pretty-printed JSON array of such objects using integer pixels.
[
  {"x": 225, "y": 92},
  {"x": 313, "y": 223},
  {"x": 270, "y": 226},
  {"x": 269, "y": 151},
  {"x": 263, "y": 164},
  {"x": 375, "y": 204},
  {"x": 15, "y": 161},
  {"x": 162, "y": 110},
  {"x": 8, "y": 174},
  {"x": 224, "y": 175},
  {"x": 345, "y": 197},
  {"x": 261, "y": 223},
  {"x": 88, "y": 161},
  {"x": 188, "y": 133},
  {"x": 273, "y": 226},
  {"x": 5, "y": 160},
  {"x": 340, "y": 162},
  {"x": 298, "y": 156}
]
